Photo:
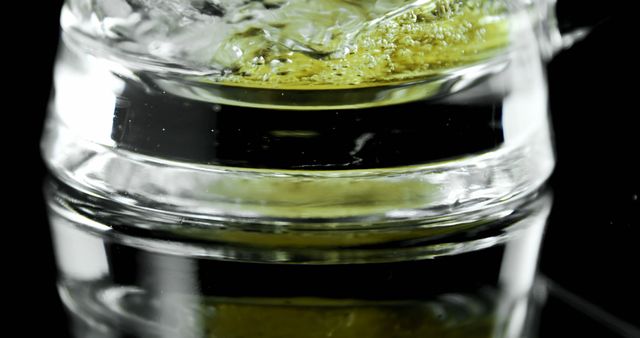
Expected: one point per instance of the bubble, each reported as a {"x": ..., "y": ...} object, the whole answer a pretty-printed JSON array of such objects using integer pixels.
[{"x": 302, "y": 42}]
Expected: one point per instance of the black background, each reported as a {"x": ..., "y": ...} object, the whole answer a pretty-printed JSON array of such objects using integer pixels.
[{"x": 592, "y": 245}]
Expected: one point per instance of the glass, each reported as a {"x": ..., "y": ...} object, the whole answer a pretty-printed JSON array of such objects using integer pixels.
[{"x": 367, "y": 168}]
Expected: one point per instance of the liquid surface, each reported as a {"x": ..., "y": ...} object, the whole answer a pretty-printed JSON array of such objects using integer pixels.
[
  {"x": 296, "y": 44},
  {"x": 421, "y": 42}
]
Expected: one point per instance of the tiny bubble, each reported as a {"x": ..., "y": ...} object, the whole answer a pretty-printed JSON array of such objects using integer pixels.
[{"x": 164, "y": 129}]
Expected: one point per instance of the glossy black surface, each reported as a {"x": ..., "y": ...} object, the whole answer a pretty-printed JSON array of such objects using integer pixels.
[{"x": 591, "y": 248}]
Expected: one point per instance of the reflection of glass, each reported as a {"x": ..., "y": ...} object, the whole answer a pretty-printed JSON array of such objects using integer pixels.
[
  {"x": 474, "y": 284},
  {"x": 353, "y": 162}
]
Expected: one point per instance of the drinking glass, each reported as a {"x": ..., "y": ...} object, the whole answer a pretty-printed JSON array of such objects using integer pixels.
[{"x": 293, "y": 168}]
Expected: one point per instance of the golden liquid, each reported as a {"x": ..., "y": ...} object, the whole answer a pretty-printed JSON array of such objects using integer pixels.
[{"x": 419, "y": 43}]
